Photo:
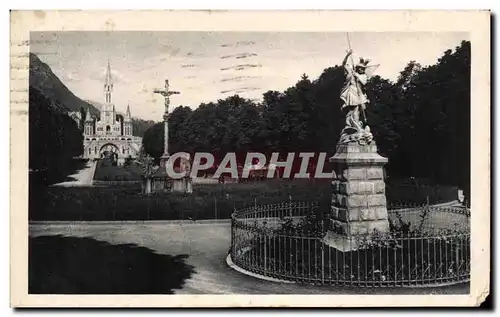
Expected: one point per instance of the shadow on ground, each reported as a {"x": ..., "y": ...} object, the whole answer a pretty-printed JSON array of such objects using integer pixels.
[
  {"x": 57, "y": 175},
  {"x": 70, "y": 265}
]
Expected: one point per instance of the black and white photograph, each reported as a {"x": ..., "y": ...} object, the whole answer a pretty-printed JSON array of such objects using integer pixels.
[{"x": 241, "y": 162}]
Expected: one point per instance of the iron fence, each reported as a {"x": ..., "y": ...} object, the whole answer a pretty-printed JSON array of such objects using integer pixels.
[{"x": 426, "y": 246}]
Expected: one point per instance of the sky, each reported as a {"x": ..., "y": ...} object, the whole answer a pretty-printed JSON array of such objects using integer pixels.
[{"x": 207, "y": 66}]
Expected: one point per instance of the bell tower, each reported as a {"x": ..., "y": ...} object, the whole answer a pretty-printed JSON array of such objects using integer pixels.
[
  {"x": 108, "y": 85},
  {"x": 127, "y": 123},
  {"x": 108, "y": 116},
  {"x": 88, "y": 124}
]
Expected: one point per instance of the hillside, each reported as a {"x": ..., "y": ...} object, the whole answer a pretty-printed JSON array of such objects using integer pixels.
[
  {"x": 97, "y": 105},
  {"x": 140, "y": 126},
  {"x": 44, "y": 80}
]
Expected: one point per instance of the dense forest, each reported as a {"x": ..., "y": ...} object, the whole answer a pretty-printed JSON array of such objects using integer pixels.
[
  {"x": 140, "y": 126},
  {"x": 421, "y": 122}
]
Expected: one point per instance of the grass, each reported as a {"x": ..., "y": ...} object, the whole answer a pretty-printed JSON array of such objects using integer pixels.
[
  {"x": 53, "y": 176},
  {"x": 404, "y": 192},
  {"x": 127, "y": 202},
  {"x": 106, "y": 171},
  {"x": 70, "y": 265},
  {"x": 210, "y": 201}
]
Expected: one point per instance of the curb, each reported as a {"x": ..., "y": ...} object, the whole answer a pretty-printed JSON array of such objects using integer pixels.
[
  {"x": 453, "y": 203},
  {"x": 92, "y": 174},
  {"x": 448, "y": 204},
  {"x": 230, "y": 263}
]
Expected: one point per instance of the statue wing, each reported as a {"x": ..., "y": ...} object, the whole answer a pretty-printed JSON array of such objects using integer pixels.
[{"x": 371, "y": 69}]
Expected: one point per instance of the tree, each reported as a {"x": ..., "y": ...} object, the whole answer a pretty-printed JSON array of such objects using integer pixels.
[
  {"x": 421, "y": 122},
  {"x": 54, "y": 138},
  {"x": 139, "y": 126},
  {"x": 179, "y": 129},
  {"x": 153, "y": 139},
  {"x": 272, "y": 121},
  {"x": 329, "y": 119},
  {"x": 433, "y": 118},
  {"x": 381, "y": 112}
]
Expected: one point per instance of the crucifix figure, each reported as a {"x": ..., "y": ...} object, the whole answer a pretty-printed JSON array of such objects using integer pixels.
[{"x": 166, "y": 93}]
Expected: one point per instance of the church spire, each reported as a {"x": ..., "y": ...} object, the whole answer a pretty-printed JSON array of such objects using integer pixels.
[
  {"x": 87, "y": 116},
  {"x": 109, "y": 79},
  {"x": 88, "y": 125},
  {"x": 108, "y": 84},
  {"x": 127, "y": 114}
]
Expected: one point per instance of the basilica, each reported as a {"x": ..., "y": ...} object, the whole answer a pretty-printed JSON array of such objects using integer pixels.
[{"x": 111, "y": 134}]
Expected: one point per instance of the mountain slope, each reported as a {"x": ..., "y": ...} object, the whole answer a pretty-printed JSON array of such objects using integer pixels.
[
  {"x": 97, "y": 105},
  {"x": 43, "y": 79}
]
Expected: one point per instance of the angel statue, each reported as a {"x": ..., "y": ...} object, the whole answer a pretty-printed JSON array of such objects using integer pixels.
[{"x": 355, "y": 100}]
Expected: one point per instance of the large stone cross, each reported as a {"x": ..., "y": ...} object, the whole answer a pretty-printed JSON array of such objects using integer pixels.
[{"x": 166, "y": 93}]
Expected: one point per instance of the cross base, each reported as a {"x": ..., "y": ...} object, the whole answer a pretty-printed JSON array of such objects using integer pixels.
[{"x": 164, "y": 160}]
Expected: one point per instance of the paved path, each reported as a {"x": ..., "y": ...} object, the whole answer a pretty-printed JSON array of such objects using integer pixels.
[
  {"x": 207, "y": 245},
  {"x": 82, "y": 178}
]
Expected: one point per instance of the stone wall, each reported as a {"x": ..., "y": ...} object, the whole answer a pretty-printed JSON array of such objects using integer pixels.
[{"x": 358, "y": 204}]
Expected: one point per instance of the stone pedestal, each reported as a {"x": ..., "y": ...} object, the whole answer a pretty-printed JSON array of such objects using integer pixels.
[
  {"x": 164, "y": 160},
  {"x": 180, "y": 185},
  {"x": 147, "y": 185},
  {"x": 358, "y": 205}
]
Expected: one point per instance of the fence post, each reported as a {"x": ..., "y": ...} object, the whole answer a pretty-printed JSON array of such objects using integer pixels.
[
  {"x": 149, "y": 211},
  {"x": 215, "y": 205},
  {"x": 265, "y": 247},
  {"x": 322, "y": 247}
]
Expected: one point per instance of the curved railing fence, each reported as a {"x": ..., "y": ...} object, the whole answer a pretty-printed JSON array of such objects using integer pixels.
[{"x": 426, "y": 246}]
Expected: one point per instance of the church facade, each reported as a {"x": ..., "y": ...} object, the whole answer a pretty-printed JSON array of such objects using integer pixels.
[{"x": 111, "y": 134}]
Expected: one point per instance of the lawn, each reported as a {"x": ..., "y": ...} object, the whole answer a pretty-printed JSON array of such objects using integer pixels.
[
  {"x": 61, "y": 174},
  {"x": 209, "y": 201},
  {"x": 128, "y": 203},
  {"x": 106, "y": 171}
]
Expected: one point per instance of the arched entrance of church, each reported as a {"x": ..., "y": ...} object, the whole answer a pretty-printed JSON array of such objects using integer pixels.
[{"x": 109, "y": 151}]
